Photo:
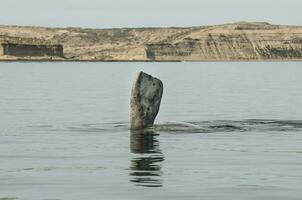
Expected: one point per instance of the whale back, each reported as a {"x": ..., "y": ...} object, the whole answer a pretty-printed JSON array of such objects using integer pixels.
[{"x": 145, "y": 101}]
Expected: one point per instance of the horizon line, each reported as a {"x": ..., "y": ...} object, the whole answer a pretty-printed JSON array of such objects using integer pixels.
[{"x": 142, "y": 27}]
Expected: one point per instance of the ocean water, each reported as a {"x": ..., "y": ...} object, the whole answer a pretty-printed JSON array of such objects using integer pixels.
[{"x": 64, "y": 132}]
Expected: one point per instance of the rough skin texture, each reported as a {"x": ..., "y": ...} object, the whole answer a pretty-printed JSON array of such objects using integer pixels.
[{"x": 145, "y": 101}]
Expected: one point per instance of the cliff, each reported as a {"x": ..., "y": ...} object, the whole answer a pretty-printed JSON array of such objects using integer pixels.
[
  {"x": 238, "y": 41},
  {"x": 31, "y": 50}
]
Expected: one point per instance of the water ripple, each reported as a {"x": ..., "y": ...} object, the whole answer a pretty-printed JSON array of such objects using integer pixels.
[
  {"x": 263, "y": 125},
  {"x": 232, "y": 126}
]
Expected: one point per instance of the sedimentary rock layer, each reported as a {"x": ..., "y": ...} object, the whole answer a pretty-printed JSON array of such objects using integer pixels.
[
  {"x": 31, "y": 50},
  {"x": 238, "y": 41}
]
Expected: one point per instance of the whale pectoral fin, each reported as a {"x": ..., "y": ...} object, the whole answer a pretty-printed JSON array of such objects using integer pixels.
[{"x": 145, "y": 100}]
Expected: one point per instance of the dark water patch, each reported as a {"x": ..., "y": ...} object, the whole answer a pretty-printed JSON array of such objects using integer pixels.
[
  {"x": 28, "y": 169},
  {"x": 40, "y": 126},
  {"x": 232, "y": 126},
  {"x": 55, "y": 168},
  {"x": 13, "y": 157},
  {"x": 225, "y": 128},
  {"x": 83, "y": 129}
]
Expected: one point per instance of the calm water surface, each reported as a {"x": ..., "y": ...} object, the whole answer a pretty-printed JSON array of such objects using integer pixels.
[{"x": 64, "y": 132}]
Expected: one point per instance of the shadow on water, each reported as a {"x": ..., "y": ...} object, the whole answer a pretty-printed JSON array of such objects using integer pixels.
[{"x": 145, "y": 168}]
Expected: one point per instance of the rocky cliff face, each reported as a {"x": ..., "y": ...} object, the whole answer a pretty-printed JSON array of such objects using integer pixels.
[
  {"x": 233, "y": 42},
  {"x": 239, "y": 41},
  {"x": 31, "y": 50}
]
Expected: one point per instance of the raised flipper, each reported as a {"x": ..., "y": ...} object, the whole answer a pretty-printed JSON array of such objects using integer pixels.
[{"x": 145, "y": 101}]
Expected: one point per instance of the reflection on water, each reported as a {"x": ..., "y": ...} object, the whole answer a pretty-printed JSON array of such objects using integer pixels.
[{"x": 146, "y": 163}]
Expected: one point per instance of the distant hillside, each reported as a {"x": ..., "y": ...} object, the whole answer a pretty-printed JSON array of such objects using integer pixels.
[{"x": 238, "y": 41}]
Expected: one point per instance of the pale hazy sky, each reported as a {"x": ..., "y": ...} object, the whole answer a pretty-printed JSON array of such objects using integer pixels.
[{"x": 137, "y": 13}]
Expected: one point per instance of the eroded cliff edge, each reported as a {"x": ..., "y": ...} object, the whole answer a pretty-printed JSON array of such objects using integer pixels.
[{"x": 238, "y": 41}]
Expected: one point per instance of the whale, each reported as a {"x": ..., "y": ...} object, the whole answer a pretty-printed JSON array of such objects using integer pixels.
[{"x": 146, "y": 95}]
